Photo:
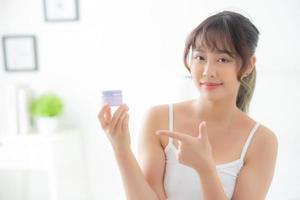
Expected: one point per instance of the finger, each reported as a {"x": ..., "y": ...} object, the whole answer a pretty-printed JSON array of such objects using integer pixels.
[
  {"x": 120, "y": 121},
  {"x": 125, "y": 123},
  {"x": 175, "y": 135},
  {"x": 101, "y": 115},
  {"x": 107, "y": 115},
  {"x": 202, "y": 131},
  {"x": 179, "y": 145},
  {"x": 117, "y": 115}
]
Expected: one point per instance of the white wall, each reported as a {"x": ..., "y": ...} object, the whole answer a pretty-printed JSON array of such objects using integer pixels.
[{"x": 137, "y": 46}]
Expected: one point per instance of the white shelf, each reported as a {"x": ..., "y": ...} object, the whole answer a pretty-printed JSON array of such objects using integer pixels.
[{"x": 59, "y": 154}]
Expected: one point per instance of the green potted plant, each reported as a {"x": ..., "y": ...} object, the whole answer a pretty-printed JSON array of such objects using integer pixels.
[{"x": 46, "y": 109}]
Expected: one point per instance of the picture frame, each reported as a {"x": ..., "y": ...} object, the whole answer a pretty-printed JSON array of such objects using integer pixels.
[
  {"x": 20, "y": 53},
  {"x": 61, "y": 10}
]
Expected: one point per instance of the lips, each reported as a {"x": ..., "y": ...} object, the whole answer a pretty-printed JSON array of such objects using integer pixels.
[
  {"x": 209, "y": 86},
  {"x": 210, "y": 83}
]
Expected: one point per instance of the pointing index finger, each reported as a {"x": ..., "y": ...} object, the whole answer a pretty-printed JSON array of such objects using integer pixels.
[{"x": 175, "y": 135}]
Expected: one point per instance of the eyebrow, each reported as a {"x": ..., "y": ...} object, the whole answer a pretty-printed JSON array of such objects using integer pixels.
[
  {"x": 218, "y": 51},
  {"x": 223, "y": 51}
]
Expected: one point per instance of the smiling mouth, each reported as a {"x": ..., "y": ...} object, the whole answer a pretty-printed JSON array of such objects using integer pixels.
[{"x": 211, "y": 84}]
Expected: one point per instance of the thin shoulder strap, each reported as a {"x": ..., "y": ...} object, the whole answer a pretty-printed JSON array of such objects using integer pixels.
[
  {"x": 170, "y": 120},
  {"x": 252, "y": 132}
]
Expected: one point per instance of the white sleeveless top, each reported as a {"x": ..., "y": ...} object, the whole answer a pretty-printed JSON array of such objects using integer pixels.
[{"x": 181, "y": 182}]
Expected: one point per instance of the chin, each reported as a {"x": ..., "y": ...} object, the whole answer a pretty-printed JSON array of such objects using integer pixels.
[{"x": 211, "y": 96}]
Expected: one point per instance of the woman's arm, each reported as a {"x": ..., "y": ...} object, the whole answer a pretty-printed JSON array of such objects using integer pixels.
[
  {"x": 137, "y": 185},
  {"x": 145, "y": 181},
  {"x": 257, "y": 173},
  {"x": 151, "y": 154}
]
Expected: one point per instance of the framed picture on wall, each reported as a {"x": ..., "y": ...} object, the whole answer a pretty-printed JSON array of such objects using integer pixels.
[
  {"x": 61, "y": 10},
  {"x": 20, "y": 53}
]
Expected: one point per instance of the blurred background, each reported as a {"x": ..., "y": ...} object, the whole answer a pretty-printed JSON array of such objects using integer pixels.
[{"x": 76, "y": 49}]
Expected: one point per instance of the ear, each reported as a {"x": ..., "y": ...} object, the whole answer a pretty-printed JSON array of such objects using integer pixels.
[{"x": 251, "y": 64}]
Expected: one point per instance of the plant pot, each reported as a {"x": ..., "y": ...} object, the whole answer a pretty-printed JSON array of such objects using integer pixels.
[{"x": 47, "y": 124}]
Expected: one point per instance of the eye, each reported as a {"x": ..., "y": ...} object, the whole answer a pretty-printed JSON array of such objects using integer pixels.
[
  {"x": 198, "y": 58},
  {"x": 223, "y": 60}
]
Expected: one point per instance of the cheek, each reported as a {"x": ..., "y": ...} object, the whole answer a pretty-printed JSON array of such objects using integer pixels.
[
  {"x": 196, "y": 71},
  {"x": 232, "y": 84},
  {"x": 230, "y": 78}
]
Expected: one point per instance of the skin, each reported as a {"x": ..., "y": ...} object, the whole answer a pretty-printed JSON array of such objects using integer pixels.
[{"x": 208, "y": 131}]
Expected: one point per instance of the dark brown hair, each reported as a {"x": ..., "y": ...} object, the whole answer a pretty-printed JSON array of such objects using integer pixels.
[{"x": 235, "y": 34}]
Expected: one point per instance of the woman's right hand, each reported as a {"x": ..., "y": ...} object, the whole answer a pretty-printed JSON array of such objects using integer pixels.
[{"x": 116, "y": 127}]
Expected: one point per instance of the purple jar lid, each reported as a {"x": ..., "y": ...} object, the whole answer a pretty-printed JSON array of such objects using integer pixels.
[
  {"x": 111, "y": 92},
  {"x": 112, "y": 97}
]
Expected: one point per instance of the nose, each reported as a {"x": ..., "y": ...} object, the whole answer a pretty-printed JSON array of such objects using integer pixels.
[{"x": 209, "y": 70}]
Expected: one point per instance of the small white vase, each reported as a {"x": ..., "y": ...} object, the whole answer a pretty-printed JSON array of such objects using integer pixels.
[{"x": 47, "y": 124}]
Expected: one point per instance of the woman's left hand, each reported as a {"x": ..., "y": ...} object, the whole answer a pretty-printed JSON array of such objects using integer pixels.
[{"x": 195, "y": 152}]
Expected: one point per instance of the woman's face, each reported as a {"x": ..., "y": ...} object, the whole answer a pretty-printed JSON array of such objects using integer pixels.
[{"x": 214, "y": 73}]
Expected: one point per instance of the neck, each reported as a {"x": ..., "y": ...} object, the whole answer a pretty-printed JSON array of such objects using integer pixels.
[{"x": 220, "y": 112}]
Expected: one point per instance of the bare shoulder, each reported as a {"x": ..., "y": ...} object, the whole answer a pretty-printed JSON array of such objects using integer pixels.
[
  {"x": 157, "y": 116},
  {"x": 154, "y": 118},
  {"x": 264, "y": 145},
  {"x": 267, "y": 136}
]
